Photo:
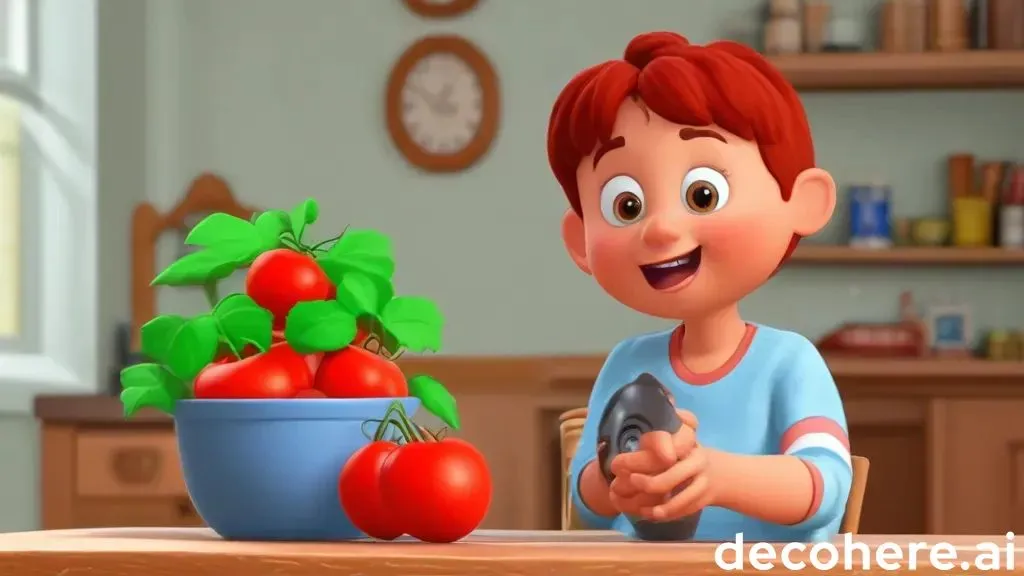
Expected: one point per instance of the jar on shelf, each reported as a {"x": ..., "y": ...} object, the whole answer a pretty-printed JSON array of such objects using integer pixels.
[{"x": 997, "y": 345}]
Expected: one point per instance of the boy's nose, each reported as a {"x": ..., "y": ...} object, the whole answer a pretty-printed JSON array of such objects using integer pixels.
[{"x": 661, "y": 231}]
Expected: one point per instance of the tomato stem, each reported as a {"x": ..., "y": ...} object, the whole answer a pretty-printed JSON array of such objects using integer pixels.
[
  {"x": 329, "y": 240},
  {"x": 408, "y": 431},
  {"x": 371, "y": 339},
  {"x": 408, "y": 424},
  {"x": 386, "y": 421}
]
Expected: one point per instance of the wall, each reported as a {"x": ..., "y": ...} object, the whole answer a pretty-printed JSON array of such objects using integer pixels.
[{"x": 285, "y": 100}]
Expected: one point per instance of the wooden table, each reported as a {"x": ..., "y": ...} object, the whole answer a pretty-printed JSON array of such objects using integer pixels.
[{"x": 198, "y": 552}]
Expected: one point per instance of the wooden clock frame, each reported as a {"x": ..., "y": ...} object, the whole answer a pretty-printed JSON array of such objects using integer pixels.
[
  {"x": 484, "y": 137},
  {"x": 451, "y": 9}
]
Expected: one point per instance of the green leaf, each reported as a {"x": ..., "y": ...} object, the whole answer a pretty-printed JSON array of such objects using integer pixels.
[
  {"x": 242, "y": 321},
  {"x": 319, "y": 326},
  {"x": 156, "y": 336},
  {"x": 227, "y": 234},
  {"x": 270, "y": 225},
  {"x": 366, "y": 251},
  {"x": 415, "y": 322},
  {"x": 198, "y": 268},
  {"x": 302, "y": 216},
  {"x": 150, "y": 385},
  {"x": 361, "y": 294},
  {"x": 436, "y": 399},
  {"x": 193, "y": 347}
]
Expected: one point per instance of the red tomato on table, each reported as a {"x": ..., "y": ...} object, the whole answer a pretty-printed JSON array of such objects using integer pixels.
[
  {"x": 360, "y": 493},
  {"x": 440, "y": 491}
]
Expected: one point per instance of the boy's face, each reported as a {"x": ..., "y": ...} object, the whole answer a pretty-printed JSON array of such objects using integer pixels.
[{"x": 679, "y": 221}]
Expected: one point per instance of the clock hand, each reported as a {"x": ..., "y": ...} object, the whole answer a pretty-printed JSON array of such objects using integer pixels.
[
  {"x": 445, "y": 106},
  {"x": 430, "y": 99}
]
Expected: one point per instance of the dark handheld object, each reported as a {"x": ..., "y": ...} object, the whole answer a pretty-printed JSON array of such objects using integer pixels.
[{"x": 639, "y": 407}]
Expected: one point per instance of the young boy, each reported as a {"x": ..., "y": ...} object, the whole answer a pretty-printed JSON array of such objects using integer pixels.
[{"x": 690, "y": 174}]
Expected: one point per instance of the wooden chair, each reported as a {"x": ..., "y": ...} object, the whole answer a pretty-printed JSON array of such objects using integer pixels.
[
  {"x": 571, "y": 426},
  {"x": 854, "y": 504}
]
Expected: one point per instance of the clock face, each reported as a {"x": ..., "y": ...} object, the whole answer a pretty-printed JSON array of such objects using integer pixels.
[{"x": 442, "y": 104}]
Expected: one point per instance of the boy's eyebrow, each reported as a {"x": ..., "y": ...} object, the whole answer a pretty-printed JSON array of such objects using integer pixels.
[
  {"x": 617, "y": 142},
  {"x": 692, "y": 133}
]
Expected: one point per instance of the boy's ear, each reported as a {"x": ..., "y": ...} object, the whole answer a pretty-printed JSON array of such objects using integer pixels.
[
  {"x": 575, "y": 239},
  {"x": 813, "y": 201}
]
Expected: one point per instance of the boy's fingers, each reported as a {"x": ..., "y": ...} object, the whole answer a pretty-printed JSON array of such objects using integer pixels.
[
  {"x": 684, "y": 440},
  {"x": 688, "y": 418},
  {"x": 623, "y": 487},
  {"x": 667, "y": 481},
  {"x": 640, "y": 461},
  {"x": 686, "y": 502},
  {"x": 661, "y": 445}
]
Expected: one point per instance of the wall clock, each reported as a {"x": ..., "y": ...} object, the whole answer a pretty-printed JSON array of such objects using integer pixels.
[
  {"x": 441, "y": 8},
  {"x": 443, "y": 104}
]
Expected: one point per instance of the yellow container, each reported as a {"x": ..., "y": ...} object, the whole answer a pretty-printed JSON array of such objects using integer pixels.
[{"x": 972, "y": 222}]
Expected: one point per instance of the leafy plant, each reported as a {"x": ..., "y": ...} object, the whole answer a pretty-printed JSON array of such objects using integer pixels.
[{"x": 359, "y": 263}]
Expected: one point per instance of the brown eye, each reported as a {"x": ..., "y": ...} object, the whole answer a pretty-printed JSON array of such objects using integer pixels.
[
  {"x": 702, "y": 197},
  {"x": 705, "y": 190},
  {"x": 622, "y": 201},
  {"x": 628, "y": 207}
]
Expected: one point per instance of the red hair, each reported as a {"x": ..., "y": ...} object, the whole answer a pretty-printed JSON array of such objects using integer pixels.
[{"x": 723, "y": 83}]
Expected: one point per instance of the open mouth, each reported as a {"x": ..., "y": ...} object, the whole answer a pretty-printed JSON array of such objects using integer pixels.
[{"x": 671, "y": 273}]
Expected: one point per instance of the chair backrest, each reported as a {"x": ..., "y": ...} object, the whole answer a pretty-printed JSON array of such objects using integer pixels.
[
  {"x": 571, "y": 425},
  {"x": 855, "y": 503}
]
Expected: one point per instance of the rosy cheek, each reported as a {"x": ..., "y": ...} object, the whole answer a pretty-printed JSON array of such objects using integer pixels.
[
  {"x": 608, "y": 250},
  {"x": 726, "y": 236}
]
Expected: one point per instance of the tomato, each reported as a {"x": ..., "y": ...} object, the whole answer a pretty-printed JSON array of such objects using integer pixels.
[
  {"x": 441, "y": 489},
  {"x": 279, "y": 279},
  {"x": 353, "y": 372},
  {"x": 360, "y": 494},
  {"x": 277, "y": 373},
  {"x": 310, "y": 393}
]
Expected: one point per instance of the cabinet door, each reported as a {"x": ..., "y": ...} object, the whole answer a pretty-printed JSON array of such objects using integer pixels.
[
  {"x": 979, "y": 447},
  {"x": 135, "y": 512}
]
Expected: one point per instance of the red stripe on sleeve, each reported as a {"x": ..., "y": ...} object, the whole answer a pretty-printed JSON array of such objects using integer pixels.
[
  {"x": 813, "y": 425},
  {"x": 817, "y": 490}
]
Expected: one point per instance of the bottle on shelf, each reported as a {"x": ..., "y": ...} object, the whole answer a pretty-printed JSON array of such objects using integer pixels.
[
  {"x": 948, "y": 26},
  {"x": 782, "y": 31},
  {"x": 1011, "y": 210}
]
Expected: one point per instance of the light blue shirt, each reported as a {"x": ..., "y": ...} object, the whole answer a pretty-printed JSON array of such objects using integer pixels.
[{"x": 778, "y": 399}]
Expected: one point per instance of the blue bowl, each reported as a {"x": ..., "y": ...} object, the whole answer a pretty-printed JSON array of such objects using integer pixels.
[{"x": 268, "y": 469}]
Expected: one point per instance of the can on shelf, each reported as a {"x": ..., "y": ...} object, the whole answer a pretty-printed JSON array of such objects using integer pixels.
[{"x": 870, "y": 216}]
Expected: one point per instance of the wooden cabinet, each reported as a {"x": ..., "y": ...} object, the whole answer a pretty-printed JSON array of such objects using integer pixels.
[
  {"x": 99, "y": 471},
  {"x": 946, "y": 444}
]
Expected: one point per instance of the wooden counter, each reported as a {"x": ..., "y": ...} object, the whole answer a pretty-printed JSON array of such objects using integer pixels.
[{"x": 198, "y": 552}]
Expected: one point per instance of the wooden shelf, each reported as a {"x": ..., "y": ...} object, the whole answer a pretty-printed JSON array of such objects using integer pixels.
[
  {"x": 944, "y": 256},
  {"x": 923, "y": 368},
  {"x": 895, "y": 71}
]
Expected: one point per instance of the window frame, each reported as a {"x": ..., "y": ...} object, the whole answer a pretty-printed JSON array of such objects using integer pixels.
[
  {"x": 56, "y": 351},
  {"x": 22, "y": 85}
]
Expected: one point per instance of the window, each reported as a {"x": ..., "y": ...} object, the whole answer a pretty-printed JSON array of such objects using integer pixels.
[
  {"x": 48, "y": 200},
  {"x": 14, "y": 69},
  {"x": 10, "y": 210}
]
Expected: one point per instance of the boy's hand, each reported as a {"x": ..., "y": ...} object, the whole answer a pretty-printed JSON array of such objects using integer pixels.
[{"x": 646, "y": 480}]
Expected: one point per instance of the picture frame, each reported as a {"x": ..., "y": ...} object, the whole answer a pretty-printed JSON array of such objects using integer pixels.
[{"x": 949, "y": 328}]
